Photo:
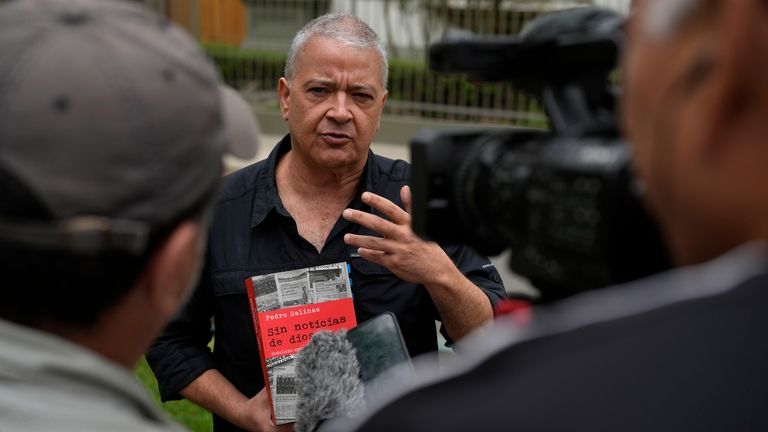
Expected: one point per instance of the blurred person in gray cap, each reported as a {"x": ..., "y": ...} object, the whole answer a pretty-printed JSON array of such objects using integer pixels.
[
  {"x": 320, "y": 197},
  {"x": 683, "y": 350},
  {"x": 112, "y": 129}
]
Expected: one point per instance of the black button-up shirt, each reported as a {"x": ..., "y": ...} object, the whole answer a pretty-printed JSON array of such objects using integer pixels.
[{"x": 253, "y": 234}]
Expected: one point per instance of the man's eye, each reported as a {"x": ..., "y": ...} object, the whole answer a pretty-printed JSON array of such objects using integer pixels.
[
  {"x": 318, "y": 90},
  {"x": 363, "y": 96}
]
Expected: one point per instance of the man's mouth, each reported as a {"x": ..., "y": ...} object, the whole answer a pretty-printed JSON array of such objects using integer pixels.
[{"x": 332, "y": 137}]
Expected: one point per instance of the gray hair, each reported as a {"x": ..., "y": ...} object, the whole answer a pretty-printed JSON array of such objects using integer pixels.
[{"x": 344, "y": 27}]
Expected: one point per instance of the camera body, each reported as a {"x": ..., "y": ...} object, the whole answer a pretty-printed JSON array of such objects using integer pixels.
[{"x": 564, "y": 200}]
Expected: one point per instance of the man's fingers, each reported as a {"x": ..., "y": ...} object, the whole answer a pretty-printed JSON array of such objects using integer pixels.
[
  {"x": 407, "y": 198},
  {"x": 387, "y": 207},
  {"x": 369, "y": 242},
  {"x": 374, "y": 256},
  {"x": 372, "y": 222}
]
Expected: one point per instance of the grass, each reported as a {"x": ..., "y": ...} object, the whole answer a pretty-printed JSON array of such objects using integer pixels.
[{"x": 190, "y": 415}]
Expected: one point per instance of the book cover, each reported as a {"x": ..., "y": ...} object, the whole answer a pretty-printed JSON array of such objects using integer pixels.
[{"x": 287, "y": 309}]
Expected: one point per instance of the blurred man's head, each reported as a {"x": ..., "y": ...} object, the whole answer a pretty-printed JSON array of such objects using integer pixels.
[
  {"x": 112, "y": 127},
  {"x": 334, "y": 91},
  {"x": 695, "y": 109}
]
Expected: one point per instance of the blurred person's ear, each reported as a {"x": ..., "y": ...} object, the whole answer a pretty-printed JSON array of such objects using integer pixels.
[
  {"x": 737, "y": 69},
  {"x": 174, "y": 268}
]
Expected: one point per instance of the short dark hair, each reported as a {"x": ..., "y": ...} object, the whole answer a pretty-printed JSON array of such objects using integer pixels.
[{"x": 52, "y": 286}]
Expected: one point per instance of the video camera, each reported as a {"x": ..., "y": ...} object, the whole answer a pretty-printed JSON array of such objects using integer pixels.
[{"x": 564, "y": 200}]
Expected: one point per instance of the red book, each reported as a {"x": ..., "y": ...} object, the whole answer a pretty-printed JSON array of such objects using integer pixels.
[{"x": 287, "y": 309}]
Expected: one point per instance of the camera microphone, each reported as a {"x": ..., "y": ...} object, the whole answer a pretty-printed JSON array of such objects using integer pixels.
[
  {"x": 338, "y": 373},
  {"x": 328, "y": 380}
]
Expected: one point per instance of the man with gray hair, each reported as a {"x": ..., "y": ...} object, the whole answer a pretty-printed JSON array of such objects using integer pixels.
[
  {"x": 112, "y": 128},
  {"x": 321, "y": 197}
]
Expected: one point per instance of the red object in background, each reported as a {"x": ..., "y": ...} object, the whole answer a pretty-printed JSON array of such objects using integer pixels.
[{"x": 521, "y": 311}]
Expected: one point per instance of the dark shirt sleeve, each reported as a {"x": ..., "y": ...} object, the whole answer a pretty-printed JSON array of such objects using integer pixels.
[
  {"x": 480, "y": 271},
  {"x": 181, "y": 353}
]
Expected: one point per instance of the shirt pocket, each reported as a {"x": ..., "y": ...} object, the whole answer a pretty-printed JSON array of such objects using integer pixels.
[
  {"x": 370, "y": 279},
  {"x": 369, "y": 269},
  {"x": 377, "y": 290}
]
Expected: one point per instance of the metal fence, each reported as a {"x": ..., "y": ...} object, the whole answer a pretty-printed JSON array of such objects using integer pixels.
[{"x": 248, "y": 40}]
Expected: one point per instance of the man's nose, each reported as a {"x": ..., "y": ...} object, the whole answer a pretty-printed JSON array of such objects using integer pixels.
[{"x": 339, "y": 110}]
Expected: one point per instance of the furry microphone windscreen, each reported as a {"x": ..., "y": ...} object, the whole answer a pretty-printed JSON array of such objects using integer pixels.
[{"x": 328, "y": 380}]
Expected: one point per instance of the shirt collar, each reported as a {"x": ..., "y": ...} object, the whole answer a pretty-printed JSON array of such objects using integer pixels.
[{"x": 266, "y": 198}]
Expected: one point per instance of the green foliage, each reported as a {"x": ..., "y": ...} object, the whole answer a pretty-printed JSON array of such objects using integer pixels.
[
  {"x": 195, "y": 418},
  {"x": 240, "y": 66},
  {"x": 411, "y": 81}
]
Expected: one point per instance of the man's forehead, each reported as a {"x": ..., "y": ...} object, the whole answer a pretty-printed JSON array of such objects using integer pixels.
[
  {"x": 356, "y": 67},
  {"x": 332, "y": 81}
]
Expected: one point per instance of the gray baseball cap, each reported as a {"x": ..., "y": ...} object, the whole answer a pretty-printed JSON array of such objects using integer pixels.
[{"x": 113, "y": 118}]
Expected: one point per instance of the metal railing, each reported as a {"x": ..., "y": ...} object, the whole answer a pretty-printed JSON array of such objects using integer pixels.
[{"x": 248, "y": 40}]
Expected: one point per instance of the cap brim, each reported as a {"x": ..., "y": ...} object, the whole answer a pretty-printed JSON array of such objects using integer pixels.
[{"x": 240, "y": 123}]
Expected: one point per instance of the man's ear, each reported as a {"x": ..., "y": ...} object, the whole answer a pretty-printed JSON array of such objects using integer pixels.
[
  {"x": 383, "y": 102},
  {"x": 284, "y": 90},
  {"x": 173, "y": 268},
  {"x": 738, "y": 29}
]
